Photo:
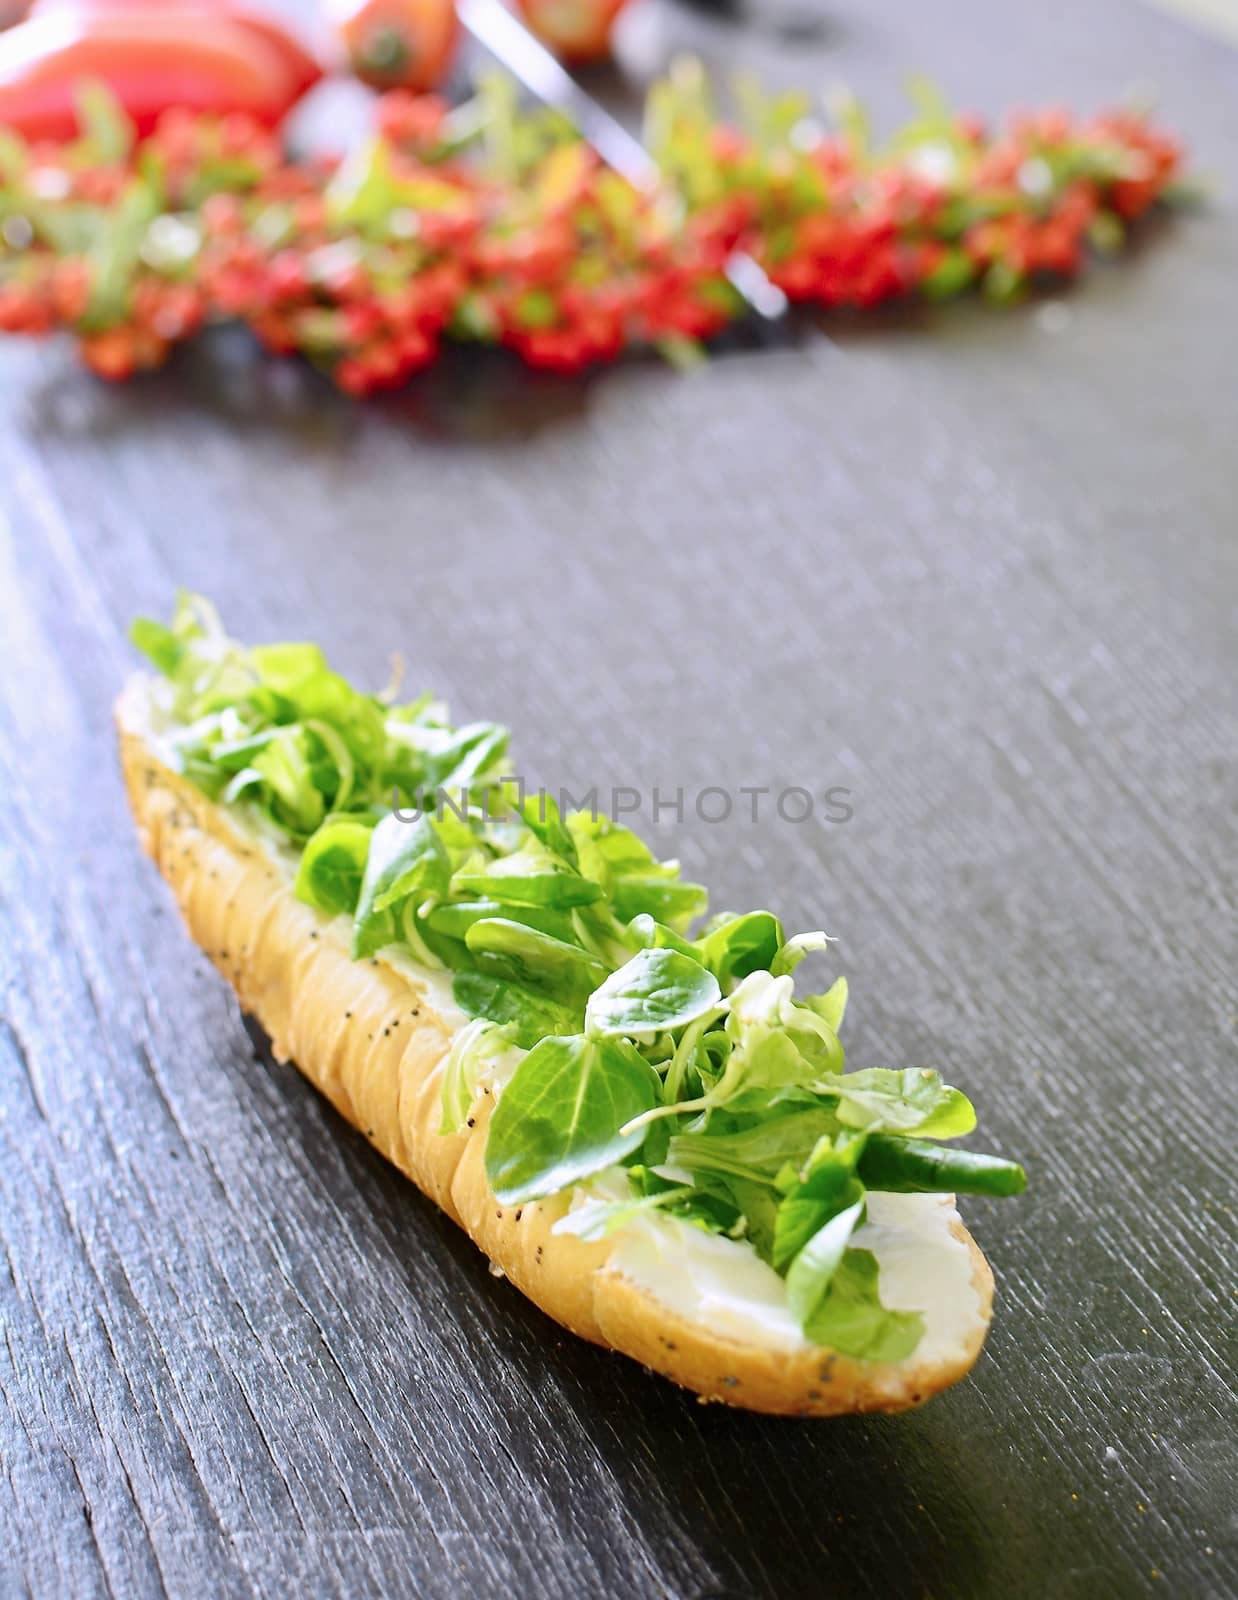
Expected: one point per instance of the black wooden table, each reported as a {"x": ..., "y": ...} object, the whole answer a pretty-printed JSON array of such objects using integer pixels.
[{"x": 979, "y": 569}]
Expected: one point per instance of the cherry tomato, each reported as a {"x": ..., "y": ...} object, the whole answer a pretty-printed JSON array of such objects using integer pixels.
[
  {"x": 576, "y": 30},
  {"x": 397, "y": 44}
]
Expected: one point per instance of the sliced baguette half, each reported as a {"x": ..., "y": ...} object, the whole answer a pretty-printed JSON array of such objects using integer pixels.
[{"x": 373, "y": 1037}]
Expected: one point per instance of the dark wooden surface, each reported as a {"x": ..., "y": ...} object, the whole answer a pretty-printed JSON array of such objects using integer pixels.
[{"x": 982, "y": 572}]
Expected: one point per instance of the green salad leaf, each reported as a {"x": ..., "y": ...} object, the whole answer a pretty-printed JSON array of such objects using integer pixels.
[
  {"x": 527, "y": 955},
  {"x": 405, "y": 859},
  {"x": 816, "y": 1261},
  {"x": 559, "y": 1119},
  {"x": 759, "y": 1151},
  {"x": 540, "y": 815},
  {"x": 532, "y": 876},
  {"x": 664, "y": 898},
  {"x": 851, "y": 1318},
  {"x": 647, "y": 934},
  {"x": 332, "y": 866},
  {"x": 527, "y": 1016},
  {"x": 456, "y": 917},
  {"x": 832, "y": 1005},
  {"x": 162, "y": 646},
  {"x": 825, "y": 1187},
  {"x": 788, "y": 956},
  {"x": 682, "y": 1070},
  {"x": 656, "y": 991},
  {"x": 911, "y": 1100},
  {"x": 738, "y": 946}
]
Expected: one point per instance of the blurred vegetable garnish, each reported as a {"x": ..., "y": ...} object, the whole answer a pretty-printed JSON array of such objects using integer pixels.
[{"x": 494, "y": 223}]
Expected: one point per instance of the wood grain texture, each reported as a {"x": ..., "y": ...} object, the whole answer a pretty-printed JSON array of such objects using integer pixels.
[{"x": 982, "y": 574}]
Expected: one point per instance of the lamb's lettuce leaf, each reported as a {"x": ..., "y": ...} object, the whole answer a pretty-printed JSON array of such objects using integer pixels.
[
  {"x": 909, "y": 1100},
  {"x": 759, "y": 1151},
  {"x": 644, "y": 933},
  {"x": 852, "y": 1320},
  {"x": 528, "y": 1016},
  {"x": 824, "y": 1186},
  {"x": 333, "y": 865},
  {"x": 559, "y": 1119},
  {"x": 830, "y": 1006},
  {"x": 813, "y": 1266},
  {"x": 535, "y": 959},
  {"x": 738, "y": 946},
  {"x": 456, "y": 917},
  {"x": 665, "y": 898},
  {"x": 656, "y": 991},
  {"x": 530, "y": 876},
  {"x": 405, "y": 859}
]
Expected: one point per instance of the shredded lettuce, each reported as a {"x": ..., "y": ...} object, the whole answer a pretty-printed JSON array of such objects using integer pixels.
[{"x": 690, "y": 1064}]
